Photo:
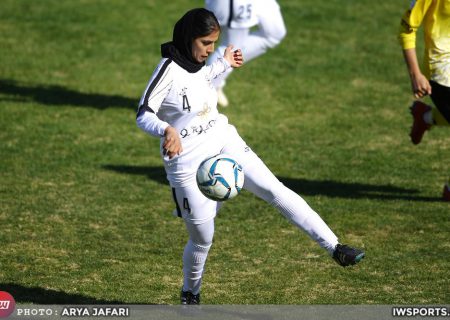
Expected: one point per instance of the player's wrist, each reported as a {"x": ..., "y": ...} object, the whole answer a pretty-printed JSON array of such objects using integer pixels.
[{"x": 168, "y": 129}]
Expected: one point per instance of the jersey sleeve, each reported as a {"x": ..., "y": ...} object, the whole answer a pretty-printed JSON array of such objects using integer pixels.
[
  {"x": 411, "y": 21},
  {"x": 150, "y": 123},
  {"x": 157, "y": 90},
  {"x": 217, "y": 67}
]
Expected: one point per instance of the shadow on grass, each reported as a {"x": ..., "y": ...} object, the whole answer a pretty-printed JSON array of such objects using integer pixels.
[
  {"x": 328, "y": 188},
  {"x": 58, "y": 95},
  {"x": 353, "y": 190},
  {"x": 23, "y": 294},
  {"x": 157, "y": 174}
]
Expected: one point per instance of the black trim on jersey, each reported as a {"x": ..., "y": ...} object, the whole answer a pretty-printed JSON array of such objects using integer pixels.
[
  {"x": 176, "y": 202},
  {"x": 230, "y": 17},
  {"x": 144, "y": 107}
]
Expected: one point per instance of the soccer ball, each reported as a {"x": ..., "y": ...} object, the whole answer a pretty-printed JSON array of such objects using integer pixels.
[{"x": 220, "y": 177}]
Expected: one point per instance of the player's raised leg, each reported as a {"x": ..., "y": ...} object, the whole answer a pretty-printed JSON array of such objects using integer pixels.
[{"x": 262, "y": 182}]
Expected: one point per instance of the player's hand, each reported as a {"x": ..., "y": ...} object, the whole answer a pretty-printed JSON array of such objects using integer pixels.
[
  {"x": 234, "y": 57},
  {"x": 172, "y": 143},
  {"x": 420, "y": 85}
]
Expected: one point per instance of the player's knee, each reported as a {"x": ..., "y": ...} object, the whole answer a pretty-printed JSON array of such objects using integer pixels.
[
  {"x": 271, "y": 193},
  {"x": 202, "y": 242},
  {"x": 202, "y": 251}
]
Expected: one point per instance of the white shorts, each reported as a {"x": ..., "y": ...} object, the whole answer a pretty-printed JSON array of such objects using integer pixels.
[{"x": 195, "y": 208}]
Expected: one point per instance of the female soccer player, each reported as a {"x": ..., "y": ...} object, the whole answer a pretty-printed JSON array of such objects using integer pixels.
[
  {"x": 179, "y": 105},
  {"x": 435, "y": 81},
  {"x": 254, "y": 26}
]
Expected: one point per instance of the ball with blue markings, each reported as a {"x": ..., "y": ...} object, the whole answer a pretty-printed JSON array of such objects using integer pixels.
[{"x": 220, "y": 177}]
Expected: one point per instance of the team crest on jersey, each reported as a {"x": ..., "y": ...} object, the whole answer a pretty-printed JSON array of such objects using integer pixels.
[{"x": 206, "y": 110}]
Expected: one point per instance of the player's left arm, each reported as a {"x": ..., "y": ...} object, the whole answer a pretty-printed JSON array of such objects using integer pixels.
[
  {"x": 230, "y": 59},
  {"x": 234, "y": 57}
]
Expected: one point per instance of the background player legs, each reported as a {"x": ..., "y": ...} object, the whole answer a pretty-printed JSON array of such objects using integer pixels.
[
  {"x": 252, "y": 44},
  {"x": 270, "y": 32},
  {"x": 441, "y": 117},
  {"x": 425, "y": 117},
  {"x": 441, "y": 99}
]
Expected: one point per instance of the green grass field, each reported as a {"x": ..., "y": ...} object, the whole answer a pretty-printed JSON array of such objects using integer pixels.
[{"x": 85, "y": 207}]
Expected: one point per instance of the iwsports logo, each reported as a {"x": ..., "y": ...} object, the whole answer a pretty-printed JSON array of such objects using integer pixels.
[{"x": 7, "y": 304}]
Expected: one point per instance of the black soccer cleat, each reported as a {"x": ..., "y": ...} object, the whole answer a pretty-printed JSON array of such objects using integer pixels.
[
  {"x": 188, "y": 298},
  {"x": 346, "y": 256}
]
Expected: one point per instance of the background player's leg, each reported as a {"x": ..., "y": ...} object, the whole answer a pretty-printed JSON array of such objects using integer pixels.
[
  {"x": 271, "y": 31},
  {"x": 441, "y": 99},
  {"x": 441, "y": 117},
  {"x": 236, "y": 37}
]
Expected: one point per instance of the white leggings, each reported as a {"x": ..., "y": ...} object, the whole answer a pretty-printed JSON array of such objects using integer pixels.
[{"x": 199, "y": 212}]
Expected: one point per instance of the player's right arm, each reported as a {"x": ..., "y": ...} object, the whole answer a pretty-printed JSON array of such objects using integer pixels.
[
  {"x": 151, "y": 101},
  {"x": 419, "y": 83},
  {"x": 410, "y": 23},
  {"x": 172, "y": 142}
]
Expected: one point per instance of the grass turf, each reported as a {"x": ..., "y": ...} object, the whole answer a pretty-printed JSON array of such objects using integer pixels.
[{"x": 85, "y": 207}]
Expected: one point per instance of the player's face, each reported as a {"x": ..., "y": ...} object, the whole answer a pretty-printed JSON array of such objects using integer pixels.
[{"x": 202, "y": 47}]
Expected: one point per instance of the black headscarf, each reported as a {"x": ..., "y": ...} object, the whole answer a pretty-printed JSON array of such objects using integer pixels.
[{"x": 195, "y": 23}]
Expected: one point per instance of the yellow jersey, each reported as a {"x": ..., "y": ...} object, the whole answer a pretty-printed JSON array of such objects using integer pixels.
[{"x": 435, "y": 16}]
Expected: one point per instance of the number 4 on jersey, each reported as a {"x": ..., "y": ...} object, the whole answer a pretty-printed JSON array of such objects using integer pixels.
[{"x": 186, "y": 105}]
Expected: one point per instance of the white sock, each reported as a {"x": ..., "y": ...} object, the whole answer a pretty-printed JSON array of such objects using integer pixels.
[{"x": 194, "y": 258}]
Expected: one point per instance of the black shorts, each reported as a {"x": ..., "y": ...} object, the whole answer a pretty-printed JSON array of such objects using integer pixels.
[{"x": 441, "y": 99}]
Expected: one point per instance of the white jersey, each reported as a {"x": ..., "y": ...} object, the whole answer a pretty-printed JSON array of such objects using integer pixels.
[
  {"x": 187, "y": 102},
  {"x": 235, "y": 14}
]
